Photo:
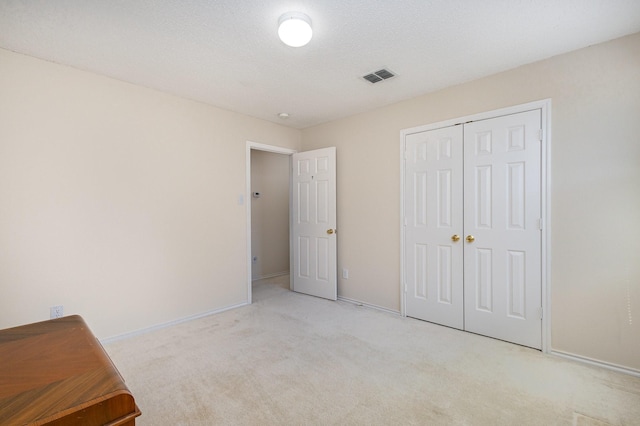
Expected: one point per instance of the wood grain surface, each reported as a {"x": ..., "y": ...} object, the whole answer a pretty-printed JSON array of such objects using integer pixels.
[{"x": 57, "y": 373}]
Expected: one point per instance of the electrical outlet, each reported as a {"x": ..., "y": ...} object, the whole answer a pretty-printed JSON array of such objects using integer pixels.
[
  {"x": 56, "y": 311},
  {"x": 345, "y": 273}
]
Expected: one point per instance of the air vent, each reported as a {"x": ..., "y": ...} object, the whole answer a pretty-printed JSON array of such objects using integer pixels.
[{"x": 378, "y": 76}]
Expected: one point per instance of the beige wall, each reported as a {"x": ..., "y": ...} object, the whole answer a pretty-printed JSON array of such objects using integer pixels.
[
  {"x": 269, "y": 213},
  {"x": 118, "y": 202},
  {"x": 121, "y": 203},
  {"x": 595, "y": 190}
]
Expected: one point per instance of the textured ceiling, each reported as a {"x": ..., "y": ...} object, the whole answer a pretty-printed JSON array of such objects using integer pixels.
[{"x": 226, "y": 52}]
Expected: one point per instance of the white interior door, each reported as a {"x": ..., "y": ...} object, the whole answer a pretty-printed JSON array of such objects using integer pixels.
[
  {"x": 502, "y": 213},
  {"x": 433, "y": 226},
  {"x": 314, "y": 223}
]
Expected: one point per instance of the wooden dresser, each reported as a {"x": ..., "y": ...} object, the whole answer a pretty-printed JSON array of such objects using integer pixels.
[{"x": 57, "y": 373}]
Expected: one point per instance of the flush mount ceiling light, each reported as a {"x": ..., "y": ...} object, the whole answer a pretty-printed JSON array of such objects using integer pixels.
[{"x": 294, "y": 29}]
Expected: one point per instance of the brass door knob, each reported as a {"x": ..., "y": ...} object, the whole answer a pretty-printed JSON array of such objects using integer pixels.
[
  {"x": 330, "y": 231},
  {"x": 455, "y": 238},
  {"x": 470, "y": 238}
]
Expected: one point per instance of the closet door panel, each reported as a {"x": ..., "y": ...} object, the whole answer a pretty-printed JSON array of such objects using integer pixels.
[
  {"x": 433, "y": 214},
  {"x": 502, "y": 247}
]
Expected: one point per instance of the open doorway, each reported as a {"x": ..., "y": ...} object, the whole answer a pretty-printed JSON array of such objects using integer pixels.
[
  {"x": 268, "y": 206},
  {"x": 312, "y": 234},
  {"x": 269, "y": 214}
]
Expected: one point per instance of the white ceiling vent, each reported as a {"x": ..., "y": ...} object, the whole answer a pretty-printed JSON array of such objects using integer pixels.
[{"x": 380, "y": 75}]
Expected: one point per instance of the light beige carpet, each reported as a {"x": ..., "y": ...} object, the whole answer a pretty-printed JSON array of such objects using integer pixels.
[{"x": 291, "y": 359}]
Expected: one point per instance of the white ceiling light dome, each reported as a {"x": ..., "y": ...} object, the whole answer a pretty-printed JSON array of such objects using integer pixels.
[{"x": 294, "y": 29}]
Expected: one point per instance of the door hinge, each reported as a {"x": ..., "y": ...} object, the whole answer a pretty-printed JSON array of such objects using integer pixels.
[
  {"x": 540, "y": 135},
  {"x": 540, "y": 224},
  {"x": 541, "y": 312}
]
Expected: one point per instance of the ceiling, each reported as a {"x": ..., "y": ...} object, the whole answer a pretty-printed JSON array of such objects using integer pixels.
[{"x": 227, "y": 53}]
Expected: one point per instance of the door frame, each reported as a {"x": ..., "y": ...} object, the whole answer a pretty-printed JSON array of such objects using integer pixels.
[
  {"x": 545, "y": 187},
  {"x": 247, "y": 196}
]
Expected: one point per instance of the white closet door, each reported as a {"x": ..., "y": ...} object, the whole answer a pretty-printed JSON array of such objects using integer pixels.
[
  {"x": 502, "y": 210},
  {"x": 433, "y": 221}
]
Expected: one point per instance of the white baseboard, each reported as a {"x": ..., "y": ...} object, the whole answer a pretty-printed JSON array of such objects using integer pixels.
[
  {"x": 597, "y": 363},
  {"x": 277, "y": 274},
  {"x": 168, "y": 324},
  {"x": 368, "y": 305}
]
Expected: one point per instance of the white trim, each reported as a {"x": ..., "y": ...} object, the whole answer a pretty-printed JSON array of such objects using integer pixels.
[
  {"x": 169, "y": 324},
  {"x": 545, "y": 197},
  {"x": 515, "y": 109},
  {"x": 545, "y": 194},
  {"x": 247, "y": 196},
  {"x": 596, "y": 363},
  {"x": 403, "y": 284},
  {"x": 368, "y": 305}
]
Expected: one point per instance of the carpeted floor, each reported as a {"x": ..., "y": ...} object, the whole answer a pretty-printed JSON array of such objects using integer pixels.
[{"x": 290, "y": 359}]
